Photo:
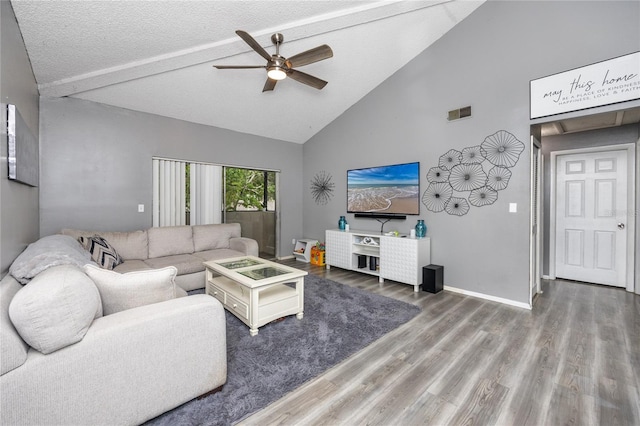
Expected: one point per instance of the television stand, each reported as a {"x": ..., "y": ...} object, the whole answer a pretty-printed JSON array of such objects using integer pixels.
[{"x": 398, "y": 258}]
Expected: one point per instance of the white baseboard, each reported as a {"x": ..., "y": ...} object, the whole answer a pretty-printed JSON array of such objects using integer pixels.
[
  {"x": 488, "y": 297},
  {"x": 286, "y": 257},
  {"x": 546, "y": 277}
]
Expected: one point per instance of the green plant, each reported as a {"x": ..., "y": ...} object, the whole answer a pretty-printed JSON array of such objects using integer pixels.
[{"x": 249, "y": 189}]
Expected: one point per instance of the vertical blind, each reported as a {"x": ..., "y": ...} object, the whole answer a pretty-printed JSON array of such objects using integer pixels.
[
  {"x": 170, "y": 193},
  {"x": 206, "y": 194}
]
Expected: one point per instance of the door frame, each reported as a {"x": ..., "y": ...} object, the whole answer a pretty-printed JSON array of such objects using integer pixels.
[
  {"x": 535, "y": 240},
  {"x": 277, "y": 226},
  {"x": 631, "y": 202}
]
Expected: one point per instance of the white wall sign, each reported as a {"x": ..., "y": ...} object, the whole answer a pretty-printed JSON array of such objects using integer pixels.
[{"x": 608, "y": 82}]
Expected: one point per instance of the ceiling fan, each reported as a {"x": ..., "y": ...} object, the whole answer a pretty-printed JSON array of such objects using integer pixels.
[{"x": 279, "y": 67}]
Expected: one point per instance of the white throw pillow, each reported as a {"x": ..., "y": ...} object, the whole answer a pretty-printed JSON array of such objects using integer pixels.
[
  {"x": 55, "y": 309},
  {"x": 120, "y": 292}
]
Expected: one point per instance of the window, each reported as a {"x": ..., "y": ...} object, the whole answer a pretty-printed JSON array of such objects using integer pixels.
[{"x": 249, "y": 190}]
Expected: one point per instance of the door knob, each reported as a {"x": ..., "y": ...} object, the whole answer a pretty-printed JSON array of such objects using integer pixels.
[{"x": 620, "y": 225}]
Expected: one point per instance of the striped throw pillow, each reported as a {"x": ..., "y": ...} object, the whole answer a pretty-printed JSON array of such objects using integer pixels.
[{"x": 101, "y": 251}]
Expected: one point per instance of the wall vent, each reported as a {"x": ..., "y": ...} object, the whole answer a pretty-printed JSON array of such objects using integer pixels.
[{"x": 456, "y": 114}]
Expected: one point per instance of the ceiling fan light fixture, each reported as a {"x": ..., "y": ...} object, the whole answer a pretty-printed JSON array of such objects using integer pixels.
[{"x": 276, "y": 73}]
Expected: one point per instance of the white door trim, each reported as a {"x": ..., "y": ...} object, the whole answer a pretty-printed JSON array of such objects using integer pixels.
[
  {"x": 631, "y": 202},
  {"x": 535, "y": 217}
]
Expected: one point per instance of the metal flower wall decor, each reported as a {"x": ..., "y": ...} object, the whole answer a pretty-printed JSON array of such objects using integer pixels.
[
  {"x": 322, "y": 188},
  {"x": 481, "y": 170}
]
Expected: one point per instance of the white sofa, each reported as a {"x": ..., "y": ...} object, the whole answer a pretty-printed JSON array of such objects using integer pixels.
[
  {"x": 184, "y": 247},
  {"x": 129, "y": 367},
  {"x": 62, "y": 362}
]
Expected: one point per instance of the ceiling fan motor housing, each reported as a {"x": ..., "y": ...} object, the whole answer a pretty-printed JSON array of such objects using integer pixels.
[{"x": 277, "y": 38}]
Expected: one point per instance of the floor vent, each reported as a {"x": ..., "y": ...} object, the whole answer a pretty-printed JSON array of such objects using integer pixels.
[{"x": 456, "y": 114}]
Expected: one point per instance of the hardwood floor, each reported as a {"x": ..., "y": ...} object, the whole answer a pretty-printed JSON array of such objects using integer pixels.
[{"x": 574, "y": 359}]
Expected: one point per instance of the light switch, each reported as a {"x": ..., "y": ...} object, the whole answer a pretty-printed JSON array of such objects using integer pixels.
[
  {"x": 513, "y": 207},
  {"x": 140, "y": 208}
]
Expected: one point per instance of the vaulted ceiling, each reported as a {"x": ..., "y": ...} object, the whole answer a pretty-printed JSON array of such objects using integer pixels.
[{"x": 157, "y": 56}]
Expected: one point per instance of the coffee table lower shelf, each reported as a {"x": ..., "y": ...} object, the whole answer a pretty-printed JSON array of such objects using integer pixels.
[{"x": 258, "y": 306}]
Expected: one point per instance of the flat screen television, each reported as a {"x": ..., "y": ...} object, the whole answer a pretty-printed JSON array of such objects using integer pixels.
[{"x": 384, "y": 192}]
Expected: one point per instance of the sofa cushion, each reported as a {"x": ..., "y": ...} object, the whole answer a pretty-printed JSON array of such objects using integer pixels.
[
  {"x": 129, "y": 245},
  {"x": 131, "y": 266},
  {"x": 248, "y": 246},
  {"x": 184, "y": 263},
  {"x": 191, "y": 281},
  {"x": 101, "y": 251},
  {"x": 170, "y": 240},
  {"x": 209, "y": 237},
  {"x": 218, "y": 254},
  {"x": 13, "y": 350},
  {"x": 56, "y": 308},
  {"x": 180, "y": 292},
  {"x": 53, "y": 250},
  {"x": 120, "y": 292}
]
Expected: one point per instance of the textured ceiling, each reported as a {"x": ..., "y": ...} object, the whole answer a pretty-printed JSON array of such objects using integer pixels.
[{"x": 157, "y": 56}]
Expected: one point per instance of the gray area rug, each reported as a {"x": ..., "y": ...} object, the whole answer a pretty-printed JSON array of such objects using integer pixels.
[{"x": 338, "y": 321}]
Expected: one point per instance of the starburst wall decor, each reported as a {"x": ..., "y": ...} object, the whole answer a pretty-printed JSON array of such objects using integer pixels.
[
  {"x": 322, "y": 188},
  {"x": 482, "y": 169}
]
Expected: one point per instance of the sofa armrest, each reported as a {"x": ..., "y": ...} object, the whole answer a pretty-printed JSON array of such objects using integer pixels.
[
  {"x": 247, "y": 246},
  {"x": 131, "y": 366}
]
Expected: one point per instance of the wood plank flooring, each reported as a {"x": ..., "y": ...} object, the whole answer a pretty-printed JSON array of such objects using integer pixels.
[{"x": 574, "y": 359}]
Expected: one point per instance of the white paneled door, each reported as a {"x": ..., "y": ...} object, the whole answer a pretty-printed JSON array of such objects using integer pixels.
[{"x": 591, "y": 206}]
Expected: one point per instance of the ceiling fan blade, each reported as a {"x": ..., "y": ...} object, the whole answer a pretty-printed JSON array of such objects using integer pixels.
[
  {"x": 310, "y": 56},
  {"x": 307, "y": 79},
  {"x": 226, "y": 67},
  {"x": 254, "y": 44},
  {"x": 269, "y": 85}
]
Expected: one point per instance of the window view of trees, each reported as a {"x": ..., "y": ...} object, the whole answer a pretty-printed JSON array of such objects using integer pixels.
[{"x": 247, "y": 189}]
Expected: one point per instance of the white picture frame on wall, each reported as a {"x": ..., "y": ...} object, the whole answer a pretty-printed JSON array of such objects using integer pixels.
[{"x": 603, "y": 83}]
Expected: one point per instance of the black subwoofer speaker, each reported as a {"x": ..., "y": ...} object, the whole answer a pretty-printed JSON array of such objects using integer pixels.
[
  {"x": 362, "y": 261},
  {"x": 432, "y": 277}
]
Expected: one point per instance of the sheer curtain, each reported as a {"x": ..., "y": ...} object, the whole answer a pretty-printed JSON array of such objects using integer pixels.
[{"x": 170, "y": 193}]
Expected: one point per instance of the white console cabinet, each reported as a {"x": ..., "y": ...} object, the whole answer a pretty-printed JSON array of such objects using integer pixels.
[{"x": 388, "y": 257}]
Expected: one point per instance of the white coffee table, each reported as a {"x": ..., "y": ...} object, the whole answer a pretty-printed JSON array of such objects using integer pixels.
[{"x": 255, "y": 290}]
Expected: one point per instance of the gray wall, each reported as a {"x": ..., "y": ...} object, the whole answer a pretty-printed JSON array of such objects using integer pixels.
[
  {"x": 19, "y": 211},
  {"x": 612, "y": 136},
  {"x": 96, "y": 164},
  {"x": 486, "y": 61}
]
